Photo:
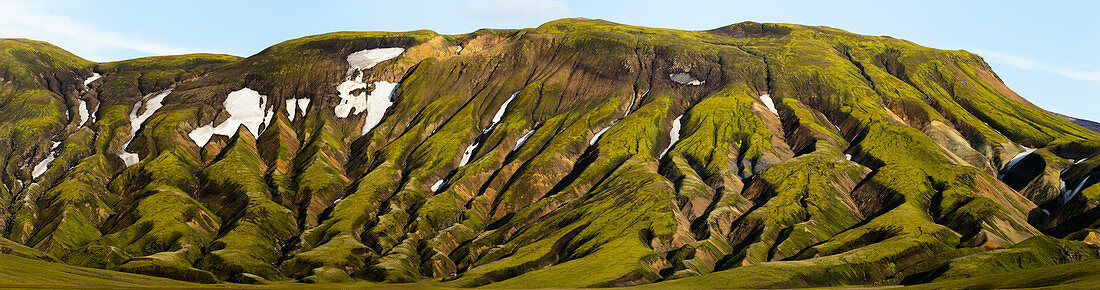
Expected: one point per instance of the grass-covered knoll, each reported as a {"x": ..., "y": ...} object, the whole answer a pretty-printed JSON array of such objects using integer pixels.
[
  {"x": 236, "y": 190},
  {"x": 136, "y": 77},
  {"x": 72, "y": 203},
  {"x": 31, "y": 64},
  {"x": 37, "y": 82},
  {"x": 19, "y": 272},
  {"x": 1080, "y": 275}
]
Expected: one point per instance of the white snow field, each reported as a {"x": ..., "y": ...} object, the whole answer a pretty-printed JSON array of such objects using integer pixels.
[
  {"x": 245, "y": 107},
  {"x": 379, "y": 100},
  {"x": 303, "y": 105},
  {"x": 295, "y": 107},
  {"x": 348, "y": 102},
  {"x": 467, "y": 154},
  {"x": 368, "y": 58},
  {"x": 291, "y": 108}
]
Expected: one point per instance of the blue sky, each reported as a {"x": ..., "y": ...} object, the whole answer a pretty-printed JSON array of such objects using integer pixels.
[{"x": 1049, "y": 53}]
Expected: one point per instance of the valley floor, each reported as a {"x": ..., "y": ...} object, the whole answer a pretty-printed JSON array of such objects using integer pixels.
[{"x": 18, "y": 272}]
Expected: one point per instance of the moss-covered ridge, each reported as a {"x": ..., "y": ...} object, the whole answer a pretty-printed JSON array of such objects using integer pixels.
[{"x": 545, "y": 157}]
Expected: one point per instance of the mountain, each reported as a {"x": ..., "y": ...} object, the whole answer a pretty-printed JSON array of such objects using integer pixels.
[
  {"x": 581, "y": 153},
  {"x": 1094, "y": 126}
]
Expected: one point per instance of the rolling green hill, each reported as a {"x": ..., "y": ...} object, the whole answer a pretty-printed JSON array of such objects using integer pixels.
[{"x": 581, "y": 153}]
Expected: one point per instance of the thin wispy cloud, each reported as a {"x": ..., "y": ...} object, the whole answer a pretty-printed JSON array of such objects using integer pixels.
[
  {"x": 517, "y": 10},
  {"x": 30, "y": 20},
  {"x": 1030, "y": 64}
]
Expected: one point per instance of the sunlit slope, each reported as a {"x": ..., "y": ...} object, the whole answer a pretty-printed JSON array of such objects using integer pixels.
[{"x": 581, "y": 153}]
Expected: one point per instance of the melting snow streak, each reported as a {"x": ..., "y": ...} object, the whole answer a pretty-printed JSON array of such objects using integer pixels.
[
  {"x": 523, "y": 139},
  {"x": 1018, "y": 157},
  {"x": 95, "y": 76},
  {"x": 82, "y": 109},
  {"x": 151, "y": 106},
  {"x": 600, "y": 133},
  {"x": 673, "y": 134},
  {"x": 1066, "y": 197},
  {"x": 466, "y": 155},
  {"x": 767, "y": 99},
  {"x": 41, "y": 167},
  {"x": 437, "y": 185}
]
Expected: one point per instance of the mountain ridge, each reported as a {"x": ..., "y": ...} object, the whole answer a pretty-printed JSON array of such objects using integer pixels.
[{"x": 515, "y": 157}]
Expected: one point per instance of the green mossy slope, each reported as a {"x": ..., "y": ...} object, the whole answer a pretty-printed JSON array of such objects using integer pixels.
[{"x": 581, "y": 153}]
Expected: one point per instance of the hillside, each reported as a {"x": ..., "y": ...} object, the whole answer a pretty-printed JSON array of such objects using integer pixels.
[
  {"x": 581, "y": 153},
  {"x": 1094, "y": 126}
]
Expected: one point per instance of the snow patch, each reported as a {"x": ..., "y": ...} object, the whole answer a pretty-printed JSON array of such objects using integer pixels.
[
  {"x": 151, "y": 106},
  {"x": 503, "y": 107},
  {"x": 685, "y": 79},
  {"x": 82, "y": 109},
  {"x": 96, "y": 109},
  {"x": 42, "y": 166},
  {"x": 291, "y": 109},
  {"x": 467, "y": 154},
  {"x": 375, "y": 104},
  {"x": 349, "y": 102},
  {"x": 379, "y": 100},
  {"x": 673, "y": 134},
  {"x": 1018, "y": 157},
  {"x": 848, "y": 156},
  {"x": 522, "y": 140},
  {"x": 366, "y": 59},
  {"x": 1047, "y": 212},
  {"x": 129, "y": 158},
  {"x": 245, "y": 107},
  {"x": 1082, "y": 160},
  {"x": 767, "y": 99},
  {"x": 1066, "y": 197},
  {"x": 95, "y": 76},
  {"x": 458, "y": 49},
  {"x": 630, "y": 107},
  {"x": 294, "y": 106},
  {"x": 437, "y": 185},
  {"x": 303, "y": 105},
  {"x": 600, "y": 133}
]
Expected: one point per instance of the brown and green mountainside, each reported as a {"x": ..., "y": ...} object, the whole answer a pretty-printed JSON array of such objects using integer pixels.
[
  {"x": 884, "y": 162},
  {"x": 1082, "y": 122}
]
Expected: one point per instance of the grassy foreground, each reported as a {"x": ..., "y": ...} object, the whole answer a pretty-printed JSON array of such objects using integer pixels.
[{"x": 18, "y": 272}]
